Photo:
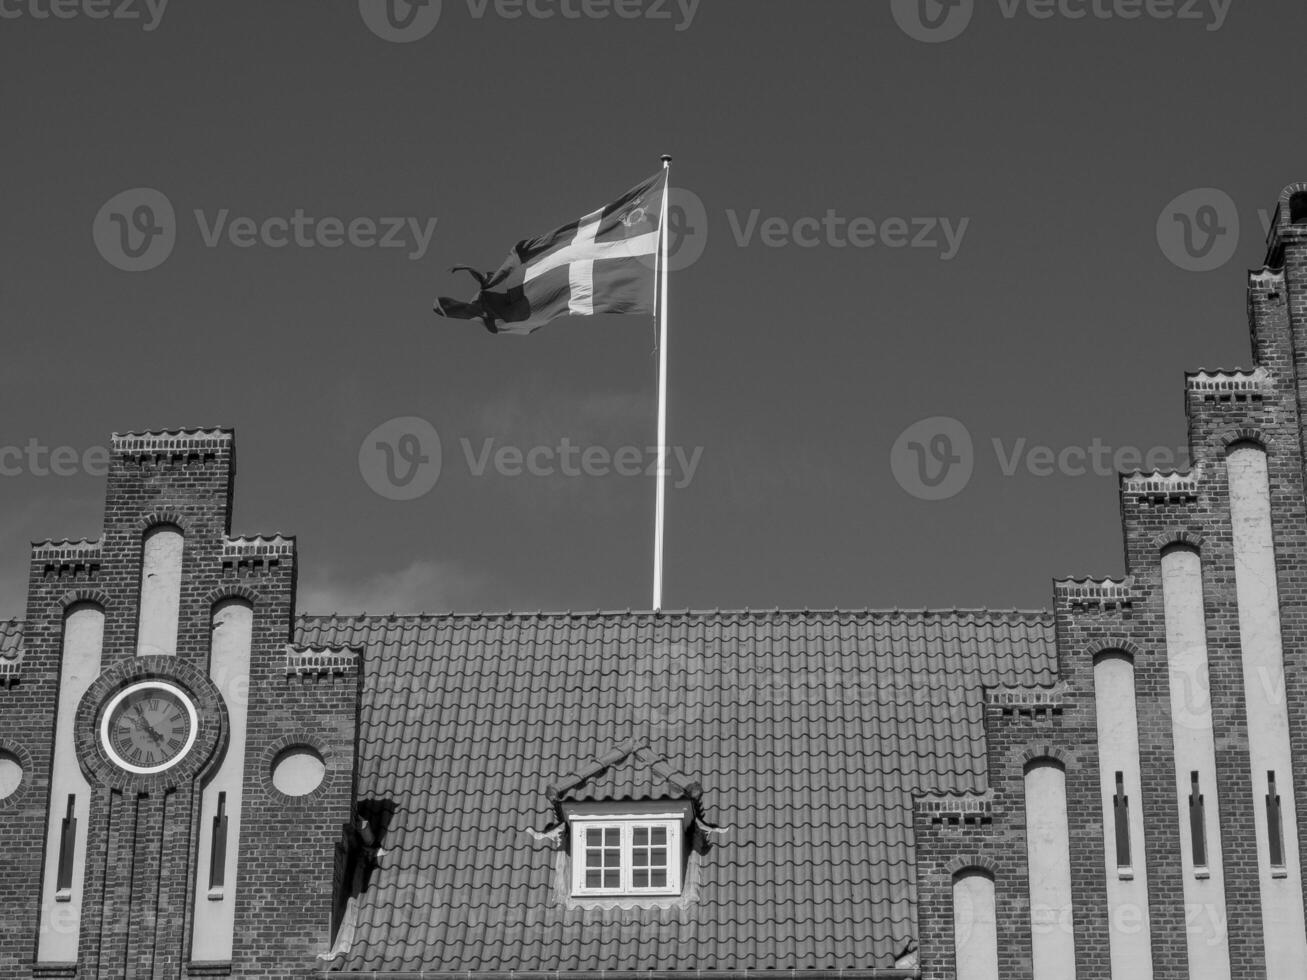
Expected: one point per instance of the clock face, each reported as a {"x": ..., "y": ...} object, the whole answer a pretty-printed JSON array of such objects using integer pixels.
[{"x": 149, "y": 727}]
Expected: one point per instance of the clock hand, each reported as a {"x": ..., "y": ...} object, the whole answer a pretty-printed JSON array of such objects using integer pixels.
[{"x": 143, "y": 725}]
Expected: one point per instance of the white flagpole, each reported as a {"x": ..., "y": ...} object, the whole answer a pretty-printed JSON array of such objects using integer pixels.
[{"x": 660, "y": 508}]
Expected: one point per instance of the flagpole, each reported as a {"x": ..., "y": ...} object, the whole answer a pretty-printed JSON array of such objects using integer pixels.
[{"x": 660, "y": 507}]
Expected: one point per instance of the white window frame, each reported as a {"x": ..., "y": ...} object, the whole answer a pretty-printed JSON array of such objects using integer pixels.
[{"x": 627, "y": 824}]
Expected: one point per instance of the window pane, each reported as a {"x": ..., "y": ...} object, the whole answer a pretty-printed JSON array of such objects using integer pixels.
[{"x": 613, "y": 861}]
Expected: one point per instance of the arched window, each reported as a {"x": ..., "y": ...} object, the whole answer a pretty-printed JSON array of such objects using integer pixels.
[
  {"x": 1298, "y": 208},
  {"x": 1125, "y": 863},
  {"x": 1194, "y": 744},
  {"x": 70, "y": 793},
  {"x": 222, "y": 801},
  {"x": 975, "y": 926},
  {"x": 1048, "y": 847},
  {"x": 1270, "y": 751},
  {"x": 161, "y": 590}
]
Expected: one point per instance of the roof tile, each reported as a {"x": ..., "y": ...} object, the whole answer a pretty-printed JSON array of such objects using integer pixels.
[{"x": 809, "y": 732}]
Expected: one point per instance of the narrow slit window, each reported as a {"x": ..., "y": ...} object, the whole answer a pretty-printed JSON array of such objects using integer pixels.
[
  {"x": 67, "y": 850},
  {"x": 218, "y": 851},
  {"x": 1274, "y": 823},
  {"x": 1197, "y": 822},
  {"x": 1121, "y": 810}
]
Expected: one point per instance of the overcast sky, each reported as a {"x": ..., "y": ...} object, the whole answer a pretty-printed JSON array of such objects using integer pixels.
[{"x": 976, "y": 221}]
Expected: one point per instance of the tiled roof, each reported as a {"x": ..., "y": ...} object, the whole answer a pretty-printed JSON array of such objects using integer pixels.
[
  {"x": 808, "y": 731},
  {"x": 11, "y": 639}
]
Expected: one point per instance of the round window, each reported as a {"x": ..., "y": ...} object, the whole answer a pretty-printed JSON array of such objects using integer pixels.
[
  {"x": 11, "y": 774},
  {"x": 298, "y": 771}
]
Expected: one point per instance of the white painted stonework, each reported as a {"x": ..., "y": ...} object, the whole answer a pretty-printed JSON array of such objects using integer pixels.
[
  {"x": 1048, "y": 846},
  {"x": 1269, "y": 749},
  {"x": 299, "y": 771},
  {"x": 161, "y": 590},
  {"x": 11, "y": 775},
  {"x": 975, "y": 927},
  {"x": 229, "y": 668},
  {"x": 1195, "y": 751},
  {"x": 61, "y": 914},
  {"x": 1118, "y": 751}
]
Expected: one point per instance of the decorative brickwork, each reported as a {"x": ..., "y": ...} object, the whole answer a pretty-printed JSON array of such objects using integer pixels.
[
  {"x": 1159, "y": 511},
  {"x": 139, "y": 905},
  {"x": 307, "y": 689},
  {"x": 302, "y": 661},
  {"x": 19, "y": 797}
]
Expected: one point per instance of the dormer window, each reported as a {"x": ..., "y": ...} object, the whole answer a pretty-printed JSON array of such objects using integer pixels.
[
  {"x": 627, "y": 855},
  {"x": 627, "y": 833},
  {"x": 628, "y": 849}
]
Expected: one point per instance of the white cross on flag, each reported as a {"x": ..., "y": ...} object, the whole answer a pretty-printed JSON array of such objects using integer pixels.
[{"x": 601, "y": 263}]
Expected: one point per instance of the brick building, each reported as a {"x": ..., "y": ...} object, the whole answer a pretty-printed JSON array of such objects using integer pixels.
[{"x": 198, "y": 780}]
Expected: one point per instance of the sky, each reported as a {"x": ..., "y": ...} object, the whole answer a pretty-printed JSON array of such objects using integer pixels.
[{"x": 921, "y": 252}]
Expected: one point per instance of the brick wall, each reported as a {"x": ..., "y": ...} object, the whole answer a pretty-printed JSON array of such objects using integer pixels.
[
  {"x": 139, "y": 905},
  {"x": 1157, "y": 511}
]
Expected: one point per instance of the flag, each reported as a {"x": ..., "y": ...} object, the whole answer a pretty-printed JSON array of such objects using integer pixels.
[{"x": 601, "y": 263}]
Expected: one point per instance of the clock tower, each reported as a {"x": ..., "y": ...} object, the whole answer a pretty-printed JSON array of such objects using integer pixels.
[{"x": 186, "y": 773}]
